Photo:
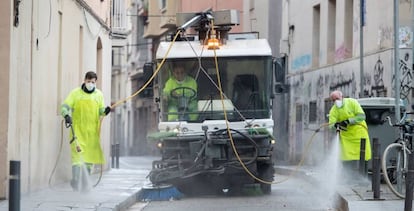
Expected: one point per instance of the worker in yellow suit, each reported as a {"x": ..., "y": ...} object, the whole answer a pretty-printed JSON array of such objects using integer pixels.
[
  {"x": 180, "y": 93},
  {"x": 82, "y": 110},
  {"x": 348, "y": 116}
]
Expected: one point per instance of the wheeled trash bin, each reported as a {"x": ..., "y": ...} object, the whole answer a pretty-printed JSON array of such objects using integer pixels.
[{"x": 376, "y": 111}]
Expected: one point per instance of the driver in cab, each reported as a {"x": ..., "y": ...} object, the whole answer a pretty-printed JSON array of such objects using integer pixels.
[{"x": 180, "y": 93}]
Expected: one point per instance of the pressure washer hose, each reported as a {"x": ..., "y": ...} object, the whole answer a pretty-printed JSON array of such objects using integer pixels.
[
  {"x": 112, "y": 107},
  {"x": 292, "y": 173},
  {"x": 60, "y": 153},
  {"x": 58, "y": 156}
]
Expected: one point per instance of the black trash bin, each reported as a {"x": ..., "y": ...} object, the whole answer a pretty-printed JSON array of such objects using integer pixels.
[{"x": 376, "y": 110}]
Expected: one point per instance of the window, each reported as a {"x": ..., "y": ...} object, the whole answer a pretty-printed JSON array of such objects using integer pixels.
[
  {"x": 119, "y": 20},
  {"x": 331, "y": 31},
  {"x": 247, "y": 89},
  {"x": 162, "y": 4},
  {"x": 116, "y": 57},
  {"x": 298, "y": 112},
  {"x": 345, "y": 51},
  {"x": 312, "y": 111},
  {"x": 316, "y": 35}
]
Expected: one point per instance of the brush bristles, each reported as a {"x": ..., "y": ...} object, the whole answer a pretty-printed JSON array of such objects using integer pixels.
[{"x": 159, "y": 194}]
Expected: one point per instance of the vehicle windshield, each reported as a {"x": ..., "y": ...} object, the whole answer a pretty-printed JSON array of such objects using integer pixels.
[{"x": 189, "y": 89}]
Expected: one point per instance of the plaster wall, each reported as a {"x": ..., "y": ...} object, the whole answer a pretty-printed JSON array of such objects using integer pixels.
[
  {"x": 55, "y": 43},
  {"x": 5, "y": 27},
  {"x": 102, "y": 9},
  {"x": 310, "y": 85},
  {"x": 316, "y": 87}
]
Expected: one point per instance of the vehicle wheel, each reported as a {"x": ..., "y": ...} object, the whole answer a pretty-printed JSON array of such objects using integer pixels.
[
  {"x": 266, "y": 173},
  {"x": 394, "y": 168}
]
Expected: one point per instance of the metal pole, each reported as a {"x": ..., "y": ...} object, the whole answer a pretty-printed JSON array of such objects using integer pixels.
[
  {"x": 376, "y": 174},
  {"x": 113, "y": 155},
  {"x": 362, "y": 157},
  {"x": 396, "y": 60},
  {"x": 14, "y": 186},
  {"x": 412, "y": 33},
  {"x": 117, "y": 148},
  {"x": 361, "y": 47},
  {"x": 409, "y": 185}
]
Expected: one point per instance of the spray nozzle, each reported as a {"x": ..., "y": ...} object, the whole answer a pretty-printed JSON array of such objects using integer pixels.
[{"x": 340, "y": 128}]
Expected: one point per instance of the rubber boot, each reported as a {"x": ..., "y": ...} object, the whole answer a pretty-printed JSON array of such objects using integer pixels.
[
  {"x": 85, "y": 177},
  {"x": 74, "y": 183}
]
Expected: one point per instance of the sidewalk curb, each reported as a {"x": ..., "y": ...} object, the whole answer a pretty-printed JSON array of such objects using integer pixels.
[{"x": 127, "y": 203}]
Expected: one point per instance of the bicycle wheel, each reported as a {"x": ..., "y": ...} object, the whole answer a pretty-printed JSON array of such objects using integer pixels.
[{"x": 394, "y": 168}]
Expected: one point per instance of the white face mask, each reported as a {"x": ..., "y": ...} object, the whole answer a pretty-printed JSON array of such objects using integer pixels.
[
  {"x": 90, "y": 86},
  {"x": 339, "y": 103}
]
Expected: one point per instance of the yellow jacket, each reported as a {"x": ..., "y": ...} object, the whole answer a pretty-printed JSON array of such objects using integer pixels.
[
  {"x": 85, "y": 109},
  {"x": 172, "y": 84},
  {"x": 357, "y": 128}
]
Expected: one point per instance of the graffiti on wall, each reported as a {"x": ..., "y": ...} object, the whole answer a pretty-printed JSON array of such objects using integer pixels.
[
  {"x": 319, "y": 87},
  {"x": 375, "y": 87},
  {"x": 341, "y": 53},
  {"x": 385, "y": 33},
  {"x": 406, "y": 77},
  {"x": 314, "y": 86},
  {"x": 320, "y": 97},
  {"x": 345, "y": 83},
  {"x": 404, "y": 36},
  {"x": 301, "y": 62}
]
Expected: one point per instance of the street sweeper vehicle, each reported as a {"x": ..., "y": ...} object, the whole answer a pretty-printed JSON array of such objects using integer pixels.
[{"x": 214, "y": 93}]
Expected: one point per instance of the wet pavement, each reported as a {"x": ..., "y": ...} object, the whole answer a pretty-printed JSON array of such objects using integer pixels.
[
  {"x": 116, "y": 191},
  {"x": 352, "y": 196},
  {"x": 118, "y": 188}
]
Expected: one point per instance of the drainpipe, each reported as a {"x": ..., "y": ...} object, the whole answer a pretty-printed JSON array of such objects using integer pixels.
[
  {"x": 412, "y": 32},
  {"x": 31, "y": 50},
  {"x": 396, "y": 60},
  {"x": 361, "y": 46}
]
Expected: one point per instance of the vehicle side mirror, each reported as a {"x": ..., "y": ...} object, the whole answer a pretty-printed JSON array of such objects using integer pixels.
[
  {"x": 148, "y": 70},
  {"x": 279, "y": 69}
]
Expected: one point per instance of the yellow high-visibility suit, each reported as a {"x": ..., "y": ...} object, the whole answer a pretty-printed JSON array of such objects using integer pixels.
[
  {"x": 172, "y": 84},
  {"x": 350, "y": 138},
  {"x": 85, "y": 109}
]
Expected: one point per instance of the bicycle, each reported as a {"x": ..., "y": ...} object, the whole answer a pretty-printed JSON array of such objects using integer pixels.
[{"x": 394, "y": 161}]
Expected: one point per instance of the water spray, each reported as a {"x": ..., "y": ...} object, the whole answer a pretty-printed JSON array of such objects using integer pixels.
[{"x": 83, "y": 168}]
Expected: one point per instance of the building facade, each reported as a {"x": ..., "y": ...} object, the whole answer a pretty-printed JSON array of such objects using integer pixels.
[
  {"x": 46, "y": 47},
  {"x": 321, "y": 44},
  {"x": 130, "y": 54},
  {"x": 121, "y": 31}
]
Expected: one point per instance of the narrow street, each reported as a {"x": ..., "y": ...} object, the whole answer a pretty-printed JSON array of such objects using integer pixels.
[
  {"x": 309, "y": 189},
  {"x": 293, "y": 194}
]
